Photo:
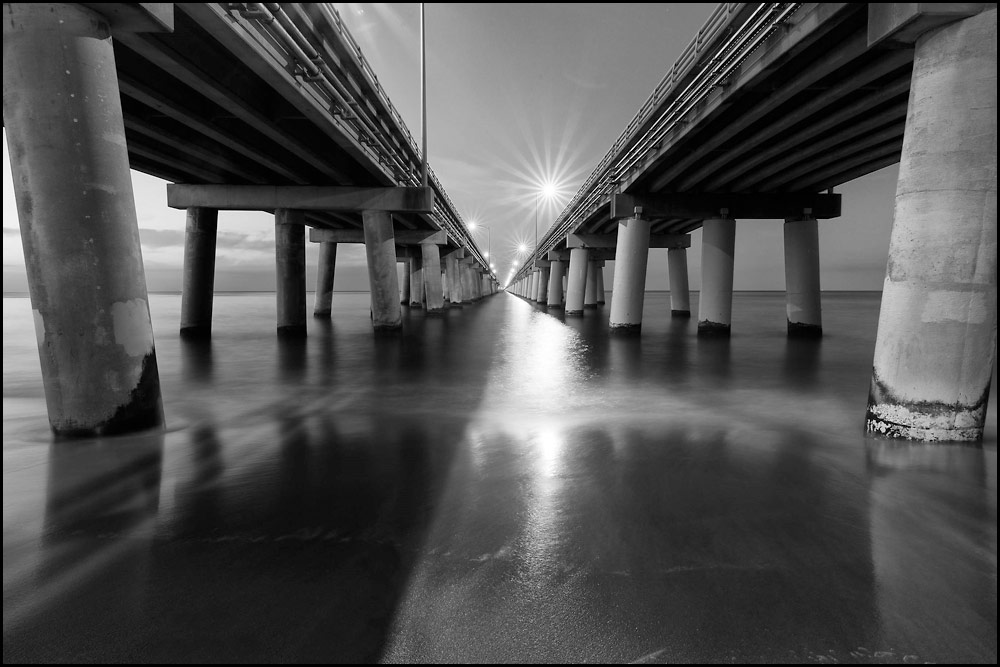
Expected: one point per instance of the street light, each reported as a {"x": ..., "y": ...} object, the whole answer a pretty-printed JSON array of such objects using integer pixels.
[{"x": 473, "y": 226}]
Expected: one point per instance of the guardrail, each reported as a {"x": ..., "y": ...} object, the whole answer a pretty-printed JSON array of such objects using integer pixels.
[
  {"x": 359, "y": 108},
  {"x": 711, "y": 56}
]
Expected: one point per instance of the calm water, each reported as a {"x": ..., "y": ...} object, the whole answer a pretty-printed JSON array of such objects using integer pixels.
[{"x": 497, "y": 484}]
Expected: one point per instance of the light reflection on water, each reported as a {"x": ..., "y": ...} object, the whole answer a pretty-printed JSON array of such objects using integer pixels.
[{"x": 499, "y": 484}]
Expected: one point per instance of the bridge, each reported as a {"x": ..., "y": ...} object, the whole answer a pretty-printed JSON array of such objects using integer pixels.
[
  {"x": 243, "y": 107},
  {"x": 272, "y": 107}
]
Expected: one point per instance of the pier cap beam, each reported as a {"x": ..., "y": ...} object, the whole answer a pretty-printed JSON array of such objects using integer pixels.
[
  {"x": 603, "y": 241},
  {"x": 402, "y": 237},
  {"x": 300, "y": 197},
  {"x": 904, "y": 22},
  {"x": 767, "y": 206}
]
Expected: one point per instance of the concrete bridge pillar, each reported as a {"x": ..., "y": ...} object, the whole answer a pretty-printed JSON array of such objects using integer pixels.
[
  {"x": 468, "y": 293},
  {"x": 802, "y": 293},
  {"x": 590, "y": 287},
  {"x": 451, "y": 279},
  {"x": 431, "y": 258},
  {"x": 404, "y": 292},
  {"x": 600, "y": 282},
  {"x": 416, "y": 282},
  {"x": 936, "y": 343},
  {"x": 576, "y": 286},
  {"x": 290, "y": 264},
  {"x": 555, "y": 295},
  {"x": 715, "y": 309},
  {"x": 380, "y": 248},
  {"x": 543, "y": 284},
  {"x": 324, "y": 279},
  {"x": 62, "y": 113},
  {"x": 198, "y": 290},
  {"x": 631, "y": 257},
  {"x": 533, "y": 285},
  {"x": 680, "y": 293}
]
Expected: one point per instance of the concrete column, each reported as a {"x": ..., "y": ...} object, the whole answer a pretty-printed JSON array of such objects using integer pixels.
[
  {"x": 324, "y": 279},
  {"x": 555, "y": 296},
  {"x": 631, "y": 257},
  {"x": 936, "y": 344},
  {"x": 404, "y": 293},
  {"x": 380, "y": 247},
  {"x": 579, "y": 258},
  {"x": 416, "y": 282},
  {"x": 451, "y": 281},
  {"x": 198, "y": 291},
  {"x": 290, "y": 263},
  {"x": 432, "y": 277},
  {"x": 70, "y": 168},
  {"x": 445, "y": 297},
  {"x": 680, "y": 293},
  {"x": 467, "y": 290},
  {"x": 543, "y": 284},
  {"x": 600, "y": 282},
  {"x": 715, "y": 308},
  {"x": 590, "y": 287},
  {"x": 802, "y": 294}
]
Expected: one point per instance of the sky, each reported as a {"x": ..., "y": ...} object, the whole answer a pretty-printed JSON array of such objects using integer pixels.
[{"x": 518, "y": 96}]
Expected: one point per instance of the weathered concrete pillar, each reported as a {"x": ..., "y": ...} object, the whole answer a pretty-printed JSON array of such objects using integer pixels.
[
  {"x": 445, "y": 297},
  {"x": 70, "y": 168},
  {"x": 680, "y": 293},
  {"x": 380, "y": 247},
  {"x": 290, "y": 264},
  {"x": 555, "y": 295},
  {"x": 404, "y": 293},
  {"x": 416, "y": 282},
  {"x": 802, "y": 294},
  {"x": 468, "y": 291},
  {"x": 715, "y": 307},
  {"x": 579, "y": 258},
  {"x": 198, "y": 291},
  {"x": 936, "y": 343},
  {"x": 431, "y": 256},
  {"x": 600, "y": 282},
  {"x": 324, "y": 279},
  {"x": 590, "y": 288},
  {"x": 631, "y": 257},
  {"x": 543, "y": 285}
]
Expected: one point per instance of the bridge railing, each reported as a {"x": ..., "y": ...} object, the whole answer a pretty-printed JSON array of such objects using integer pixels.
[
  {"x": 359, "y": 103},
  {"x": 732, "y": 32}
]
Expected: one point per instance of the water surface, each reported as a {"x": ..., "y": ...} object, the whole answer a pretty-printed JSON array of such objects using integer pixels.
[{"x": 498, "y": 484}]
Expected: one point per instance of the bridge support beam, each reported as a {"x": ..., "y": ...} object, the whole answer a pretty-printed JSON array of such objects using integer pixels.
[
  {"x": 936, "y": 343},
  {"x": 715, "y": 308},
  {"x": 198, "y": 290},
  {"x": 290, "y": 264},
  {"x": 590, "y": 287},
  {"x": 600, "y": 282},
  {"x": 802, "y": 293},
  {"x": 70, "y": 167},
  {"x": 453, "y": 279},
  {"x": 380, "y": 247},
  {"x": 323, "y": 305},
  {"x": 416, "y": 282},
  {"x": 555, "y": 295},
  {"x": 576, "y": 285},
  {"x": 680, "y": 293},
  {"x": 631, "y": 257}
]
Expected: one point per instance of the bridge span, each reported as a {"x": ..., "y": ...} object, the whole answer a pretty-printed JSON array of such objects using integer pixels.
[
  {"x": 771, "y": 107},
  {"x": 247, "y": 106}
]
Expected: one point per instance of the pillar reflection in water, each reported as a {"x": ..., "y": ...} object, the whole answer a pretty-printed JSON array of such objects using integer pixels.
[{"x": 102, "y": 500}]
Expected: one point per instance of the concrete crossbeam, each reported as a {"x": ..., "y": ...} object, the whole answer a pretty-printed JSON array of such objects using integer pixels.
[
  {"x": 778, "y": 205},
  {"x": 301, "y": 197},
  {"x": 404, "y": 237},
  {"x": 611, "y": 241}
]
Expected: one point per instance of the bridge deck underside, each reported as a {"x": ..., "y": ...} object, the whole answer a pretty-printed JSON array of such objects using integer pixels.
[
  {"x": 823, "y": 113},
  {"x": 195, "y": 112}
]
